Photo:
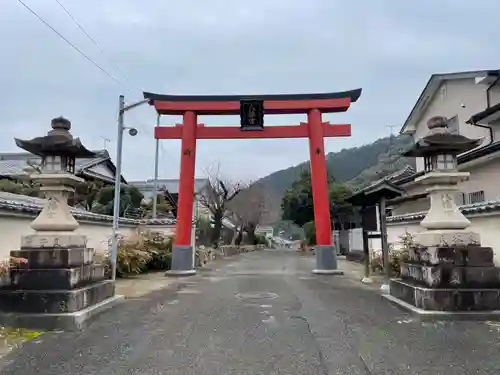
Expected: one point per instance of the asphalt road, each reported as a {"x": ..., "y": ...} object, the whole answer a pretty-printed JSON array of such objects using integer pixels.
[{"x": 262, "y": 313}]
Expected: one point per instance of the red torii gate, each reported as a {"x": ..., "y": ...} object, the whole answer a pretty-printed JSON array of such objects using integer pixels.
[{"x": 252, "y": 109}]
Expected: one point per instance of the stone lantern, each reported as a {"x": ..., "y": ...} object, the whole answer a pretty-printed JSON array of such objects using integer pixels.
[
  {"x": 58, "y": 150},
  {"x": 448, "y": 273},
  {"x": 60, "y": 286},
  {"x": 440, "y": 148}
]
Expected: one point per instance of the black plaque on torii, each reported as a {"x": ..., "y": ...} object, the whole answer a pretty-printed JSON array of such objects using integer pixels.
[{"x": 252, "y": 114}]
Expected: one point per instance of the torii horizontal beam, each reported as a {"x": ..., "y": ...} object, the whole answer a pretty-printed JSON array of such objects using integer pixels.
[
  {"x": 273, "y": 104},
  {"x": 233, "y": 132}
]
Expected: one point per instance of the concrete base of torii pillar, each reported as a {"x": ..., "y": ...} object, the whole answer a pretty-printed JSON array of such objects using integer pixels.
[{"x": 60, "y": 287}]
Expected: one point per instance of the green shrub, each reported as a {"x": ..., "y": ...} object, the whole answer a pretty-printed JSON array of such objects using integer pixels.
[
  {"x": 260, "y": 240},
  {"x": 310, "y": 233},
  {"x": 161, "y": 249},
  {"x": 396, "y": 257}
]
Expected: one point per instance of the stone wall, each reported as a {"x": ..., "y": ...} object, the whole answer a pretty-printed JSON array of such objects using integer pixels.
[
  {"x": 13, "y": 225},
  {"x": 228, "y": 250},
  {"x": 486, "y": 224}
]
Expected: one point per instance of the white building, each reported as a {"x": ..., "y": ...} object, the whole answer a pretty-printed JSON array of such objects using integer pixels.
[{"x": 471, "y": 102}]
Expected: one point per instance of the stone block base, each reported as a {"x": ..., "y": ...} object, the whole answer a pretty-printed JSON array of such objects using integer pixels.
[
  {"x": 55, "y": 257},
  {"x": 60, "y": 278},
  {"x": 60, "y": 321},
  {"x": 446, "y": 299},
  {"x": 55, "y": 301},
  {"x": 42, "y": 240},
  {"x": 229, "y": 250},
  {"x": 474, "y": 256},
  {"x": 451, "y": 276},
  {"x": 447, "y": 238}
]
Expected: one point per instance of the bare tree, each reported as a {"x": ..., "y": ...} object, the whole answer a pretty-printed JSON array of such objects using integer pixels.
[
  {"x": 215, "y": 196},
  {"x": 251, "y": 207}
]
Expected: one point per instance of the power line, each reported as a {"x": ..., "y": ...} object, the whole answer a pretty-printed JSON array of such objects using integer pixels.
[
  {"x": 99, "y": 47},
  {"x": 41, "y": 19}
]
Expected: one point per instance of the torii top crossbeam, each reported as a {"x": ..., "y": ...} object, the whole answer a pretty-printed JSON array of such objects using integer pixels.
[{"x": 273, "y": 104}]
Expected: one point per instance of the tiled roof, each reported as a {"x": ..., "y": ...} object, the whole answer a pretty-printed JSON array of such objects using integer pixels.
[
  {"x": 169, "y": 184},
  {"x": 12, "y": 164},
  {"x": 468, "y": 209},
  {"x": 12, "y": 167},
  {"x": 32, "y": 205}
]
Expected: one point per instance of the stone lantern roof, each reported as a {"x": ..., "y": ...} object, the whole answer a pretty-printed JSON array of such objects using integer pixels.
[
  {"x": 439, "y": 140},
  {"x": 58, "y": 141}
]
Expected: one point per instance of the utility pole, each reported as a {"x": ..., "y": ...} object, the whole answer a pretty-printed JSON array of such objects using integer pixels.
[
  {"x": 118, "y": 182},
  {"x": 155, "y": 182},
  {"x": 106, "y": 140},
  {"x": 122, "y": 108}
]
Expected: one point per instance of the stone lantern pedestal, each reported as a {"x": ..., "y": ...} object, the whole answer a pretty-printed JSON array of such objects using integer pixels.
[
  {"x": 448, "y": 275},
  {"x": 59, "y": 287}
]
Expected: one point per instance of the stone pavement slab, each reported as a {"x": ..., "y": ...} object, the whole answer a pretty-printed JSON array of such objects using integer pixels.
[{"x": 262, "y": 313}]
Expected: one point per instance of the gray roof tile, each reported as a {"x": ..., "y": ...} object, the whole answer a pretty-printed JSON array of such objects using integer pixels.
[
  {"x": 468, "y": 209},
  {"x": 32, "y": 205}
]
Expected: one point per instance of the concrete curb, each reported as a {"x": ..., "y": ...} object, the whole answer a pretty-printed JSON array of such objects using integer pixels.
[
  {"x": 66, "y": 321},
  {"x": 429, "y": 315}
]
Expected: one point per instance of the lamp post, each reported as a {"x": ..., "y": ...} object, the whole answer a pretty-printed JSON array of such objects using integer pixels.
[
  {"x": 118, "y": 177},
  {"x": 155, "y": 182}
]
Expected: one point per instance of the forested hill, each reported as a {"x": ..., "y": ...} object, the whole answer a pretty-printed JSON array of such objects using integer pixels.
[{"x": 358, "y": 166}]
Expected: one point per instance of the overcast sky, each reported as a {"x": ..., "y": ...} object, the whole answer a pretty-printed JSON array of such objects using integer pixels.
[{"x": 387, "y": 47}]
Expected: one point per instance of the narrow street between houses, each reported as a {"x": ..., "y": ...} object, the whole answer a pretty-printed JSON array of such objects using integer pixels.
[{"x": 262, "y": 313}]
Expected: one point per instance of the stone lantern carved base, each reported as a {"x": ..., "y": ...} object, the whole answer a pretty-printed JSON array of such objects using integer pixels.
[
  {"x": 449, "y": 275},
  {"x": 59, "y": 288}
]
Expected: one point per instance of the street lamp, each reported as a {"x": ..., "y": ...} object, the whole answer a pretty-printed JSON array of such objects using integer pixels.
[{"x": 118, "y": 177}]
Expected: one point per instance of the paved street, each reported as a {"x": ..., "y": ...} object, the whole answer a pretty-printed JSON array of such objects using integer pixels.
[{"x": 262, "y": 313}]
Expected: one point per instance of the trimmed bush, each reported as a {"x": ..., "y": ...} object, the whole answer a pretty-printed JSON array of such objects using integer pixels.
[{"x": 141, "y": 253}]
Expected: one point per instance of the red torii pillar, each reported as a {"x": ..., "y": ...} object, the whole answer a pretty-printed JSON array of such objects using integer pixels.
[{"x": 189, "y": 131}]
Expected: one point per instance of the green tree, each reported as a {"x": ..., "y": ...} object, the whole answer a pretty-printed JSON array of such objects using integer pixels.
[
  {"x": 297, "y": 203},
  {"x": 19, "y": 187},
  {"x": 130, "y": 199},
  {"x": 163, "y": 207},
  {"x": 86, "y": 194},
  {"x": 340, "y": 209}
]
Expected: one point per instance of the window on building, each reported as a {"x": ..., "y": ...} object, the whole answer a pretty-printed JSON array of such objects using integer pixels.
[
  {"x": 442, "y": 91},
  {"x": 453, "y": 125},
  {"x": 476, "y": 197},
  {"x": 471, "y": 198}
]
